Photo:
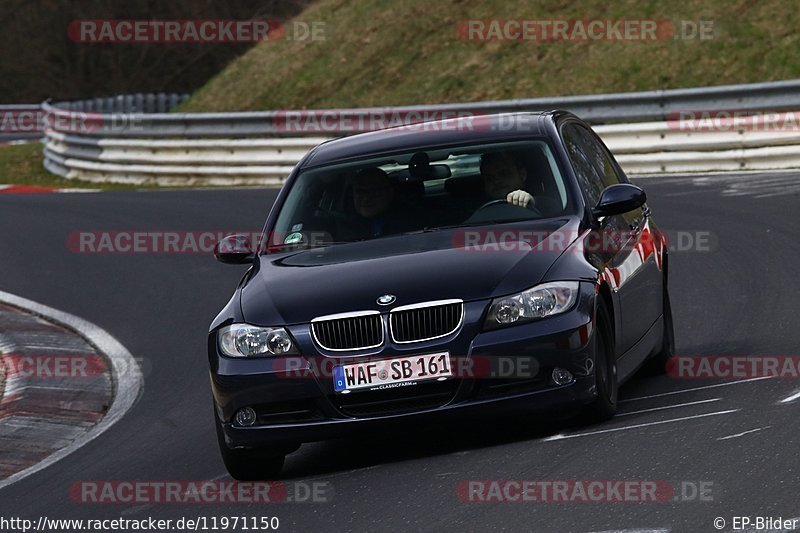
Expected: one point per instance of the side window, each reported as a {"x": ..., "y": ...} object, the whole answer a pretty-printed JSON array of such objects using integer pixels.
[
  {"x": 610, "y": 174},
  {"x": 590, "y": 161}
]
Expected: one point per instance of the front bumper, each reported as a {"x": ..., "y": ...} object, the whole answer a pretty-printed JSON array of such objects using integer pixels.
[{"x": 502, "y": 369}]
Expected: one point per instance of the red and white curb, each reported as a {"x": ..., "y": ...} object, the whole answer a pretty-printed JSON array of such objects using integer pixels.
[
  {"x": 30, "y": 189},
  {"x": 47, "y": 411}
]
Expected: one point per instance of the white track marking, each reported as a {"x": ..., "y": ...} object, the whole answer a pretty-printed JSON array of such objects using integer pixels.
[
  {"x": 737, "y": 382},
  {"x": 743, "y": 433},
  {"x": 667, "y": 407},
  {"x": 635, "y": 426},
  {"x": 127, "y": 377},
  {"x": 782, "y": 192},
  {"x": 791, "y": 398}
]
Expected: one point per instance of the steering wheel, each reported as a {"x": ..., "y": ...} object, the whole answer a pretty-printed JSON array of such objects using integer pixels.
[{"x": 503, "y": 201}]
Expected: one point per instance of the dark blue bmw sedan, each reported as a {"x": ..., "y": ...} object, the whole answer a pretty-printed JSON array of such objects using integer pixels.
[{"x": 437, "y": 269}]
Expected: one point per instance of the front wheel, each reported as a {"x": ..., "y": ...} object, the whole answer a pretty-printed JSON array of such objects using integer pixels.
[
  {"x": 604, "y": 406},
  {"x": 249, "y": 464}
]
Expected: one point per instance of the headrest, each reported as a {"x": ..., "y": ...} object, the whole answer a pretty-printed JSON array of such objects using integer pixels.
[
  {"x": 411, "y": 190},
  {"x": 465, "y": 186}
]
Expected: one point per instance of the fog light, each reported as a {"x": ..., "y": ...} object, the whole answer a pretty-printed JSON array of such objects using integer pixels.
[
  {"x": 562, "y": 376},
  {"x": 245, "y": 416}
]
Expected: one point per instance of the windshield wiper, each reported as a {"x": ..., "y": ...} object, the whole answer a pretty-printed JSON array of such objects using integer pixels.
[
  {"x": 302, "y": 246},
  {"x": 455, "y": 226}
]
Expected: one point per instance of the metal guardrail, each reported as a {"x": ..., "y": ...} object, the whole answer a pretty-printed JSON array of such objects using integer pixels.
[
  {"x": 150, "y": 103},
  {"x": 20, "y": 122},
  {"x": 26, "y": 121},
  {"x": 113, "y": 144},
  {"x": 762, "y": 142},
  {"x": 596, "y": 109},
  {"x": 174, "y": 161}
]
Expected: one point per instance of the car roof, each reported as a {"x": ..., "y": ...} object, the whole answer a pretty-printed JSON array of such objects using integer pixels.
[{"x": 427, "y": 135}]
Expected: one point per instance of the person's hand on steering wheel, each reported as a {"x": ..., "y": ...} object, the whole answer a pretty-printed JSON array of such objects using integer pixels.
[{"x": 520, "y": 198}]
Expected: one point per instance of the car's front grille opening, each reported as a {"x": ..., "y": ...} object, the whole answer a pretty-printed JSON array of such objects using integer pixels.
[
  {"x": 400, "y": 400},
  {"x": 426, "y": 322},
  {"x": 286, "y": 412},
  {"x": 492, "y": 387},
  {"x": 349, "y": 333}
]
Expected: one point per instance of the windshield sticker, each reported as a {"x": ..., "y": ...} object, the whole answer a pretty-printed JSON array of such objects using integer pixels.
[{"x": 293, "y": 238}]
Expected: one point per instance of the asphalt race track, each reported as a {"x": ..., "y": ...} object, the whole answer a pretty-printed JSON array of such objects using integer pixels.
[{"x": 737, "y": 295}]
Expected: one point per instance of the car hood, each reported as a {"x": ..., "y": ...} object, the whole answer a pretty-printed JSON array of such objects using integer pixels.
[{"x": 293, "y": 288}]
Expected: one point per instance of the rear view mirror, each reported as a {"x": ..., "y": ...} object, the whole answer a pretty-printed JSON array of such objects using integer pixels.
[
  {"x": 420, "y": 168},
  {"x": 431, "y": 172},
  {"x": 234, "y": 249}
]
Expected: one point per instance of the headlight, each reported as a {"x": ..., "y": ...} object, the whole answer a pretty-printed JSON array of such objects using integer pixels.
[
  {"x": 244, "y": 340},
  {"x": 538, "y": 302}
]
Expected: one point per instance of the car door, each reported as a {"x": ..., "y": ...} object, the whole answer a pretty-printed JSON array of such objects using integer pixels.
[{"x": 624, "y": 239}]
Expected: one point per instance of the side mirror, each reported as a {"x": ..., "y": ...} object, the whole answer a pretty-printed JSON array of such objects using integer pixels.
[
  {"x": 619, "y": 199},
  {"x": 235, "y": 250}
]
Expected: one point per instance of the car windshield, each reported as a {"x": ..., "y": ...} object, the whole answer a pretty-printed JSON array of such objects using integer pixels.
[{"x": 420, "y": 191}]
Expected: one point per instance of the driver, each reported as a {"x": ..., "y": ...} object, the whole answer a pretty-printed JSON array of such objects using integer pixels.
[{"x": 504, "y": 178}]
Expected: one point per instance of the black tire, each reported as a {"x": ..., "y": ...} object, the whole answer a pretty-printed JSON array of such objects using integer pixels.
[
  {"x": 660, "y": 361},
  {"x": 604, "y": 406},
  {"x": 249, "y": 464}
]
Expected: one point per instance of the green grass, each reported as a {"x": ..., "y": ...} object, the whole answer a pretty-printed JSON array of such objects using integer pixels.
[
  {"x": 381, "y": 52},
  {"x": 21, "y": 164}
]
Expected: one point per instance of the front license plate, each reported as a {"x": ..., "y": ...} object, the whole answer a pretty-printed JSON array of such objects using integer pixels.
[{"x": 389, "y": 373}]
